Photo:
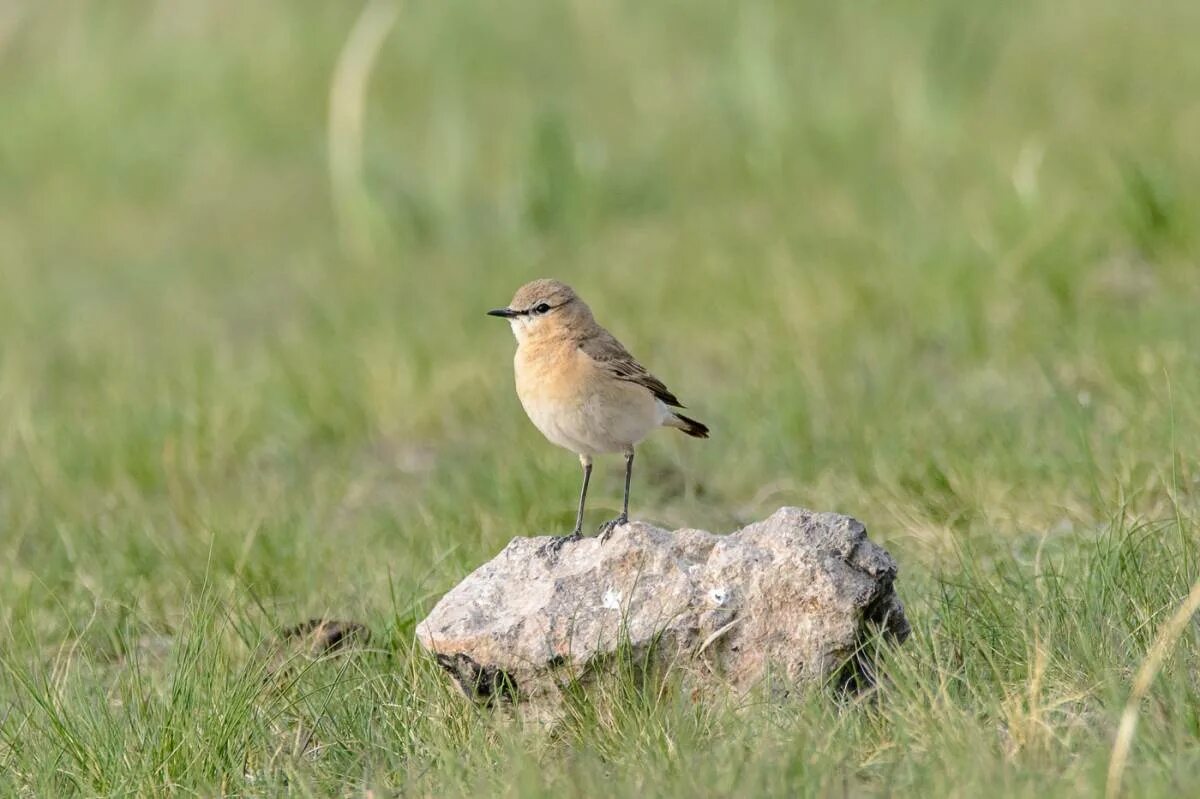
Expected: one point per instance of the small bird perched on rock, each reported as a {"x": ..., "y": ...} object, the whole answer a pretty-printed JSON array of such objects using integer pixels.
[{"x": 581, "y": 388}]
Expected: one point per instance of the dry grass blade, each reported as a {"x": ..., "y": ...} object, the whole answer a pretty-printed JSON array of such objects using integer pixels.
[
  {"x": 1167, "y": 638},
  {"x": 347, "y": 101}
]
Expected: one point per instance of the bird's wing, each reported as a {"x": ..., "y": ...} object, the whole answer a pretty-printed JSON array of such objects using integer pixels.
[{"x": 611, "y": 356}]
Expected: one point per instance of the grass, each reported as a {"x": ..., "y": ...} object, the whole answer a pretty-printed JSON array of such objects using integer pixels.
[{"x": 933, "y": 265}]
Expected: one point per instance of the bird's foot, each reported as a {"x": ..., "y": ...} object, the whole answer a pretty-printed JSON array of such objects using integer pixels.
[
  {"x": 607, "y": 528},
  {"x": 556, "y": 543}
]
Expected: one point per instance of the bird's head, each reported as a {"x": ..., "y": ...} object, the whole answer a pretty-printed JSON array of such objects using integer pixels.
[{"x": 543, "y": 307}]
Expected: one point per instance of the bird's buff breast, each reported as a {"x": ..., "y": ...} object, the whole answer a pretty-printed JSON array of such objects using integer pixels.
[{"x": 578, "y": 406}]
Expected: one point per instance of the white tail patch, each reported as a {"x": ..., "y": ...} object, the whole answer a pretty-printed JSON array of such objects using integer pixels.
[{"x": 666, "y": 417}]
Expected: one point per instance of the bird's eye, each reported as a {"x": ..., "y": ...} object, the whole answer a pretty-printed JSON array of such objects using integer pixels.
[{"x": 541, "y": 308}]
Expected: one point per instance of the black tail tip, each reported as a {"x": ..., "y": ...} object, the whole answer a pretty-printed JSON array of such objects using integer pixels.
[{"x": 692, "y": 427}]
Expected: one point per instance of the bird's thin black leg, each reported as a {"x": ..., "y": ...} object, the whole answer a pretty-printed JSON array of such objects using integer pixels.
[
  {"x": 587, "y": 476},
  {"x": 628, "y": 478},
  {"x": 607, "y": 528},
  {"x": 557, "y": 543}
]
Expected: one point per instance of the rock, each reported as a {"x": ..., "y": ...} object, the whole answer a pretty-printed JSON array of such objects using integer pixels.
[{"x": 797, "y": 595}]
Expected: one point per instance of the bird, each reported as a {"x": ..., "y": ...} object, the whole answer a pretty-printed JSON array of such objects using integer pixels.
[{"x": 582, "y": 389}]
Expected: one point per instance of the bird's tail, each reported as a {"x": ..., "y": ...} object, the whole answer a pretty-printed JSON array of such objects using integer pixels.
[{"x": 690, "y": 426}]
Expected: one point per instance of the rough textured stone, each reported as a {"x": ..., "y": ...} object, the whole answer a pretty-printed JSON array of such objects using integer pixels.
[{"x": 796, "y": 595}]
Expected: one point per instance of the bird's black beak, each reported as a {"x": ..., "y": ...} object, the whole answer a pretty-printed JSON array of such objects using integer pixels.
[{"x": 507, "y": 313}]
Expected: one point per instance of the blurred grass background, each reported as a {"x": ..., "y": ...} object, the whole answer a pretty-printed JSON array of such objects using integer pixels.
[{"x": 930, "y": 264}]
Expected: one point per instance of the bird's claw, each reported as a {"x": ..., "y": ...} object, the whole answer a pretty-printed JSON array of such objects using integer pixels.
[
  {"x": 556, "y": 543},
  {"x": 607, "y": 528}
]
